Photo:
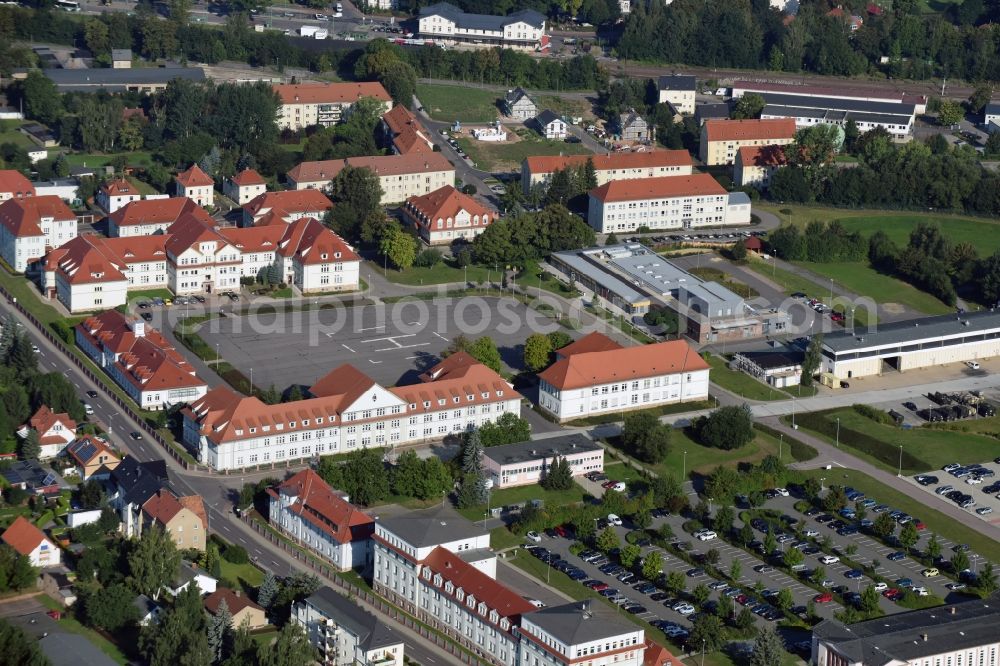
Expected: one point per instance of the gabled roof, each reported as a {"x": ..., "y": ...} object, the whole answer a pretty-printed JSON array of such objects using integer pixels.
[
  {"x": 162, "y": 506},
  {"x": 645, "y": 160},
  {"x": 138, "y": 481},
  {"x": 399, "y": 118},
  {"x": 196, "y": 505},
  {"x": 22, "y": 536},
  {"x": 289, "y": 201},
  {"x": 190, "y": 230},
  {"x": 23, "y": 217},
  {"x": 592, "y": 342},
  {"x": 751, "y": 129},
  {"x": 83, "y": 260},
  {"x": 248, "y": 177},
  {"x": 194, "y": 177},
  {"x": 157, "y": 211},
  {"x": 381, "y": 165},
  {"x": 630, "y": 118},
  {"x": 469, "y": 384},
  {"x": 119, "y": 188},
  {"x": 677, "y": 82},
  {"x": 344, "y": 381},
  {"x": 482, "y": 21},
  {"x": 235, "y": 601},
  {"x": 446, "y": 203},
  {"x": 762, "y": 156},
  {"x": 517, "y": 94},
  {"x": 330, "y": 93},
  {"x": 45, "y": 419},
  {"x": 16, "y": 184},
  {"x": 547, "y": 117},
  {"x": 699, "y": 184},
  {"x": 310, "y": 242},
  {"x": 84, "y": 450},
  {"x": 319, "y": 504},
  {"x": 615, "y": 365},
  {"x": 450, "y": 367}
]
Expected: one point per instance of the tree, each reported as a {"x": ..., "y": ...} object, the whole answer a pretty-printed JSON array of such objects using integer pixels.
[
  {"x": 835, "y": 499},
  {"x": 652, "y": 565},
  {"x": 611, "y": 239},
  {"x": 179, "y": 11},
  {"x": 292, "y": 648},
  {"x": 629, "y": 555},
  {"x": 31, "y": 447},
  {"x": 537, "y": 351},
  {"x": 979, "y": 98},
  {"x": 473, "y": 491},
  {"x": 676, "y": 582},
  {"x": 933, "y": 547},
  {"x": 869, "y": 603},
  {"x": 220, "y": 628},
  {"x": 508, "y": 428},
  {"x": 810, "y": 364},
  {"x": 908, "y": 536},
  {"x": 485, "y": 351},
  {"x": 793, "y": 556},
  {"x": 739, "y": 251},
  {"x": 723, "y": 483},
  {"x": 607, "y": 540},
  {"x": 729, "y": 427},
  {"x": 987, "y": 580},
  {"x": 722, "y": 522},
  {"x": 735, "y": 570},
  {"x": 363, "y": 477},
  {"x": 406, "y": 474},
  {"x": 884, "y": 526},
  {"x": 707, "y": 633},
  {"x": 356, "y": 193},
  {"x": 96, "y": 37},
  {"x": 559, "y": 475},
  {"x": 110, "y": 608},
  {"x": 399, "y": 246},
  {"x": 785, "y": 599},
  {"x": 959, "y": 561},
  {"x": 768, "y": 649},
  {"x": 644, "y": 437},
  {"x": 17, "y": 647},
  {"x": 42, "y": 101},
  {"x": 744, "y": 619},
  {"x": 153, "y": 561},
  {"x": 267, "y": 591},
  {"x": 950, "y": 113},
  {"x": 748, "y": 106},
  {"x": 180, "y": 637}
]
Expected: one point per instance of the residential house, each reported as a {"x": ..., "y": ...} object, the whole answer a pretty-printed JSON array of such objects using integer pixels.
[
  {"x": 92, "y": 457},
  {"x": 85, "y": 277},
  {"x": 325, "y": 104},
  {"x": 286, "y": 206},
  {"x": 121, "y": 58},
  {"x": 404, "y": 133},
  {"x": 139, "y": 359},
  {"x": 31, "y": 542},
  {"x": 30, "y": 476},
  {"x": 550, "y": 125},
  {"x": 344, "y": 634},
  {"x": 151, "y": 216},
  {"x": 584, "y": 383},
  {"x": 58, "y": 583},
  {"x": 29, "y": 226},
  {"x": 633, "y": 127},
  {"x": 347, "y": 410},
  {"x": 148, "y": 610},
  {"x": 400, "y": 176},
  {"x": 13, "y": 185},
  {"x": 183, "y": 518},
  {"x": 114, "y": 194},
  {"x": 189, "y": 573},
  {"x": 313, "y": 514},
  {"x": 130, "y": 485},
  {"x": 991, "y": 120},
  {"x": 445, "y": 22},
  {"x": 536, "y": 171},
  {"x": 755, "y": 165},
  {"x": 240, "y": 607},
  {"x": 54, "y": 431},
  {"x": 244, "y": 186},
  {"x": 526, "y": 463},
  {"x": 446, "y": 215},
  {"x": 678, "y": 90},
  {"x": 196, "y": 185},
  {"x": 722, "y": 139},
  {"x": 518, "y": 105}
]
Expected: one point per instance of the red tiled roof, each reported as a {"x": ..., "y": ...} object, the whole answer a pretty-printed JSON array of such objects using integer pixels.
[
  {"x": 22, "y": 217},
  {"x": 446, "y": 203},
  {"x": 592, "y": 342},
  {"x": 454, "y": 365},
  {"x": 410, "y": 141},
  {"x": 589, "y": 369},
  {"x": 254, "y": 239},
  {"x": 83, "y": 261},
  {"x": 408, "y": 135},
  {"x": 316, "y": 502},
  {"x": 657, "y": 655},
  {"x": 381, "y": 165},
  {"x": 644, "y": 160},
  {"x": 752, "y": 129},
  {"x": 44, "y": 419},
  {"x": 289, "y": 201},
  {"x": 248, "y": 177},
  {"x": 399, "y": 118},
  {"x": 157, "y": 211},
  {"x": 330, "y": 93},
  {"x": 310, "y": 242},
  {"x": 22, "y": 536},
  {"x": 194, "y": 177},
  {"x": 235, "y": 601},
  {"x": 196, "y": 505},
  {"x": 762, "y": 156},
  {"x": 94, "y": 445},
  {"x": 698, "y": 184},
  {"x": 344, "y": 381},
  {"x": 118, "y": 188},
  {"x": 188, "y": 231},
  {"x": 458, "y": 387},
  {"x": 16, "y": 184},
  {"x": 162, "y": 507}
]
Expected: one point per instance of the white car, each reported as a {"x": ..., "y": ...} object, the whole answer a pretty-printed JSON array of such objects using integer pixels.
[
  {"x": 829, "y": 559},
  {"x": 973, "y": 481},
  {"x": 614, "y": 520},
  {"x": 881, "y": 587},
  {"x": 619, "y": 487},
  {"x": 811, "y": 533},
  {"x": 535, "y": 602},
  {"x": 951, "y": 467},
  {"x": 972, "y": 364},
  {"x": 686, "y": 609},
  {"x": 533, "y": 536},
  {"x": 706, "y": 535},
  {"x": 782, "y": 491},
  {"x": 35, "y": 348},
  {"x": 88, "y": 410},
  {"x": 919, "y": 591}
]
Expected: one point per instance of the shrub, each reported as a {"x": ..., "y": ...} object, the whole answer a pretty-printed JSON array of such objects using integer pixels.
[
  {"x": 877, "y": 415},
  {"x": 236, "y": 554},
  {"x": 428, "y": 258}
]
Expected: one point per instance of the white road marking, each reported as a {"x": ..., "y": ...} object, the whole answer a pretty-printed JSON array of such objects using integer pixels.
[
  {"x": 399, "y": 346},
  {"x": 372, "y": 328},
  {"x": 440, "y": 336},
  {"x": 347, "y": 348},
  {"x": 374, "y": 361}
]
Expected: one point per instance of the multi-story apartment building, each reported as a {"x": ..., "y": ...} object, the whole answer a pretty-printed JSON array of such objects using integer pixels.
[
  {"x": 283, "y": 207},
  {"x": 678, "y": 90},
  {"x": 537, "y": 170},
  {"x": 404, "y": 133},
  {"x": 443, "y": 21},
  {"x": 445, "y": 215},
  {"x": 29, "y": 226},
  {"x": 579, "y": 632},
  {"x": 583, "y": 383},
  {"x": 345, "y": 634},
  {"x": 525, "y": 463},
  {"x": 401, "y": 176},
  {"x": 13, "y": 185},
  {"x": 674, "y": 202},
  {"x": 183, "y": 518},
  {"x": 756, "y": 164},
  {"x": 325, "y": 104},
  {"x": 139, "y": 359},
  {"x": 244, "y": 186},
  {"x": 152, "y": 216},
  {"x": 116, "y": 193},
  {"x": 348, "y": 410},
  {"x": 721, "y": 139},
  {"x": 196, "y": 185},
  {"x": 130, "y": 485},
  {"x": 310, "y": 512}
]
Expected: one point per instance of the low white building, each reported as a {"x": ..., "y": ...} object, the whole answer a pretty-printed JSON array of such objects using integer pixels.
[
  {"x": 196, "y": 185},
  {"x": 777, "y": 368},
  {"x": 244, "y": 186},
  {"x": 306, "y": 509},
  {"x": 580, "y": 632},
  {"x": 31, "y": 225},
  {"x": 345, "y": 634},
  {"x": 526, "y": 463},
  {"x": 55, "y": 431},
  {"x": 114, "y": 194},
  {"x": 583, "y": 382},
  {"x": 678, "y": 90},
  {"x": 550, "y": 125}
]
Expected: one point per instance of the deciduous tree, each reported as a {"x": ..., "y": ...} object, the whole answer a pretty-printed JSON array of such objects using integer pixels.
[
  {"x": 153, "y": 561},
  {"x": 537, "y": 351}
]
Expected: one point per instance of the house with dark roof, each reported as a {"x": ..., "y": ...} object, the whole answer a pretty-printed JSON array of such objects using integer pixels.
[
  {"x": 139, "y": 79},
  {"x": 447, "y": 23},
  {"x": 308, "y": 510},
  {"x": 550, "y": 125},
  {"x": 991, "y": 119},
  {"x": 344, "y": 633},
  {"x": 555, "y": 635},
  {"x": 678, "y": 90},
  {"x": 517, "y": 104},
  {"x": 131, "y": 484},
  {"x": 778, "y": 368}
]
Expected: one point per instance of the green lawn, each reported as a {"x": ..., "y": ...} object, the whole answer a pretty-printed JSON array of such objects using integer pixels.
[
  {"x": 149, "y": 294},
  {"x": 246, "y": 574},
  {"x": 747, "y": 387},
  {"x": 521, "y": 494},
  {"x": 983, "y": 234},
  {"x": 455, "y": 102},
  {"x": 498, "y": 157},
  {"x": 443, "y": 273},
  {"x": 143, "y": 187},
  {"x": 564, "y": 106},
  {"x": 862, "y": 279},
  {"x": 9, "y": 134},
  {"x": 137, "y": 158}
]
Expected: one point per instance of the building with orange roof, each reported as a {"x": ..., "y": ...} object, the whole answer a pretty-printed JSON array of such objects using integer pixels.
[
  {"x": 116, "y": 193},
  {"x": 196, "y": 185},
  {"x": 306, "y": 104},
  {"x": 286, "y": 206},
  {"x": 671, "y": 202},
  {"x": 92, "y": 457},
  {"x": 151, "y": 216},
  {"x": 31, "y": 542},
  {"x": 588, "y": 383},
  {"x": 29, "y": 226},
  {"x": 139, "y": 359},
  {"x": 446, "y": 215},
  {"x": 404, "y": 133},
  {"x": 13, "y": 185},
  {"x": 310, "y": 512},
  {"x": 721, "y": 139},
  {"x": 755, "y": 165},
  {"x": 244, "y": 186},
  {"x": 401, "y": 176},
  {"x": 241, "y": 607},
  {"x": 657, "y": 655},
  {"x": 538, "y": 169},
  {"x": 55, "y": 431},
  {"x": 346, "y": 410},
  {"x": 183, "y": 518}
]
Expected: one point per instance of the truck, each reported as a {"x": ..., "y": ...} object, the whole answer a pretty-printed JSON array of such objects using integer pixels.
[{"x": 314, "y": 31}]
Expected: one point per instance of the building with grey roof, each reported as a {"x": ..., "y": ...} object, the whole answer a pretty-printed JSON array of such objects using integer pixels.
[
  {"x": 808, "y": 110},
  {"x": 444, "y": 21},
  {"x": 569, "y": 631},
  {"x": 62, "y": 648},
  {"x": 525, "y": 463},
  {"x": 577, "y": 267},
  {"x": 915, "y": 343},
  {"x": 143, "y": 79},
  {"x": 121, "y": 58},
  {"x": 953, "y": 634},
  {"x": 550, "y": 125},
  {"x": 345, "y": 634},
  {"x": 432, "y": 527},
  {"x": 518, "y": 105}
]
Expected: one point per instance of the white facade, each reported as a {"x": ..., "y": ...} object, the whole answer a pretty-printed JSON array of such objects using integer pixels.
[
  {"x": 17, "y": 251},
  {"x": 346, "y": 636},
  {"x": 88, "y": 296},
  {"x": 681, "y": 100},
  {"x": 555, "y": 129},
  {"x": 203, "y": 195},
  {"x": 29, "y": 226},
  {"x": 625, "y": 649},
  {"x": 209, "y": 265},
  {"x": 242, "y": 193},
  {"x": 610, "y": 397},
  {"x": 451, "y": 24},
  {"x": 45, "y": 554},
  {"x": 668, "y": 212}
]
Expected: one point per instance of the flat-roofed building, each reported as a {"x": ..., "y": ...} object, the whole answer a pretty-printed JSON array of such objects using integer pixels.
[
  {"x": 775, "y": 367},
  {"x": 128, "y": 79},
  {"x": 325, "y": 104},
  {"x": 580, "y": 632},
  {"x": 721, "y": 139},
  {"x": 537, "y": 170},
  {"x": 895, "y": 117},
  {"x": 400, "y": 176},
  {"x": 526, "y": 463},
  {"x": 579, "y": 270}
]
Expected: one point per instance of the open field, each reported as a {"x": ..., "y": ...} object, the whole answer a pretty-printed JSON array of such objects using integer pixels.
[
  {"x": 444, "y": 272},
  {"x": 864, "y": 280},
  {"x": 508, "y": 156},
  {"x": 522, "y": 494},
  {"x": 450, "y": 103},
  {"x": 565, "y": 106},
  {"x": 9, "y": 134},
  {"x": 138, "y": 158},
  {"x": 747, "y": 387}
]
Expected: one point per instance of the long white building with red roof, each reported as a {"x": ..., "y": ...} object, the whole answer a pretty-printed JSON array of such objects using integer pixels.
[
  {"x": 538, "y": 169},
  {"x": 29, "y": 226},
  {"x": 400, "y": 176},
  {"x": 140, "y": 360},
  {"x": 151, "y": 216},
  {"x": 286, "y": 206},
  {"x": 347, "y": 410},
  {"x": 325, "y": 104}
]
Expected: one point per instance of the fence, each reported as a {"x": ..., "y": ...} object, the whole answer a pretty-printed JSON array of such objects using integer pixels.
[
  {"x": 379, "y": 604},
  {"x": 100, "y": 381}
]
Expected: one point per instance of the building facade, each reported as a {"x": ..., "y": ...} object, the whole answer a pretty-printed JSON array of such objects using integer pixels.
[
  {"x": 755, "y": 165},
  {"x": 92, "y": 457},
  {"x": 446, "y": 215},
  {"x": 400, "y": 176},
  {"x": 31, "y": 542},
  {"x": 679, "y": 91},
  {"x": 324, "y": 104},
  {"x": 29, "y": 226},
  {"x": 633, "y": 127},
  {"x": 196, "y": 185},
  {"x": 115, "y": 194},
  {"x": 537, "y": 170},
  {"x": 244, "y": 186},
  {"x": 518, "y": 105},
  {"x": 182, "y": 518},
  {"x": 550, "y": 125},
  {"x": 403, "y": 132},
  {"x": 780, "y": 369},
  {"x": 525, "y": 463},
  {"x": 345, "y": 634},
  {"x": 579, "y": 632},
  {"x": 152, "y": 216},
  {"x": 520, "y": 30},
  {"x": 13, "y": 185},
  {"x": 55, "y": 431},
  {"x": 722, "y": 139}
]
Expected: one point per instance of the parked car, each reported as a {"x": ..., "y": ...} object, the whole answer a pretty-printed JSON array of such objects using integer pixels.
[
  {"x": 533, "y": 536},
  {"x": 614, "y": 520},
  {"x": 823, "y": 598}
]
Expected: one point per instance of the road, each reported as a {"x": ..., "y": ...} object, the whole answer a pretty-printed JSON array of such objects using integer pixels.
[{"x": 218, "y": 491}]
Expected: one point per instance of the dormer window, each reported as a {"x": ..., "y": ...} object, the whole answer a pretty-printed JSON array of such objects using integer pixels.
[
  {"x": 440, "y": 402},
  {"x": 319, "y": 420},
  {"x": 455, "y": 399},
  {"x": 279, "y": 426},
  {"x": 336, "y": 255},
  {"x": 266, "y": 428},
  {"x": 460, "y": 594},
  {"x": 485, "y": 395},
  {"x": 413, "y": 405},
  {"x": 448, "y": 587},
  {"x": 504, "y": 624},
  {"x": 426, "y": 404},
  {"x": 470, "y": 397},
  {"x": 305, "y": 422},
  {"x": 494, "y": 617},
  {"x": 437, "y": 580},
  {"x": 291, "y": 424},
  {"x": 499, "y": 394},
  {"x": 482, "y": 608},
  {"x": 323, "y": 256},
  {"x": 427, "y": 574},
  {"x": 253, "y": 430}
]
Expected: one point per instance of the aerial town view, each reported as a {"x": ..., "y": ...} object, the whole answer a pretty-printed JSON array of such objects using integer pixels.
[{"x": 500, "y": 333}]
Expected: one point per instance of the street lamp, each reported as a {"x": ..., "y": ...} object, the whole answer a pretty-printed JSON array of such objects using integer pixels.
[
  {"x": 489, "y": 486},
  {"x": 781, "y": 441},
  {"x": 684, "y": 467},
  {"x": 822, "y": 487},
  {"x": 899, "y": 473},
  {"x": 838, "y": 432},
  {"x": 703, "y": 652},
  {"x": 793, "y": 413}
]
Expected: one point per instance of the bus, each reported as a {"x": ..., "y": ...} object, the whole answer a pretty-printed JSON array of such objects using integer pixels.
[{"x": 68, "y": 5}]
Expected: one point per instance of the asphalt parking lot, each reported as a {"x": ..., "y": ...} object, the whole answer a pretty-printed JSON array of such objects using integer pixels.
[
  {"x": 977, "y": 491},
  {"x": 392, "y": 343}
]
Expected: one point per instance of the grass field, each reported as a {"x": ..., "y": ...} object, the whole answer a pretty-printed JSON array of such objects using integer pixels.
[
  {"x": 521, "y": 494},
  {"x": 740, "y": 382},
  {"x": 9, "y": 134},
  {"x": 450, "y": 103},
  {"x": 864, "y": 280},
  {"x": 246, "y": 574},
  {"x": 442, "y": 273},
  {"x": 499, "y": 157},
  {"x": 137, "y": 158},
  {"x": 565, "y": 106}
]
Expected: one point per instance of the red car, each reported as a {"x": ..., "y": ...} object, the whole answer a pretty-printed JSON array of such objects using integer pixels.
[
  {"x": 599, "y": 587},
  {"x": 561, "y": 531},
  {"x": 743, "y": 599},
  {"x": 919, "y": 525},
  {"x": 823, "y": 598},
  {"x": 608, "y": 484},
  {"x": 892, "y": 594}
]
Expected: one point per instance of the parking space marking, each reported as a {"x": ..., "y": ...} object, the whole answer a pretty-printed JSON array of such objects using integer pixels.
[
  {"x": 440, "y": 336},
  {"x": 347, "y": 348}
]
